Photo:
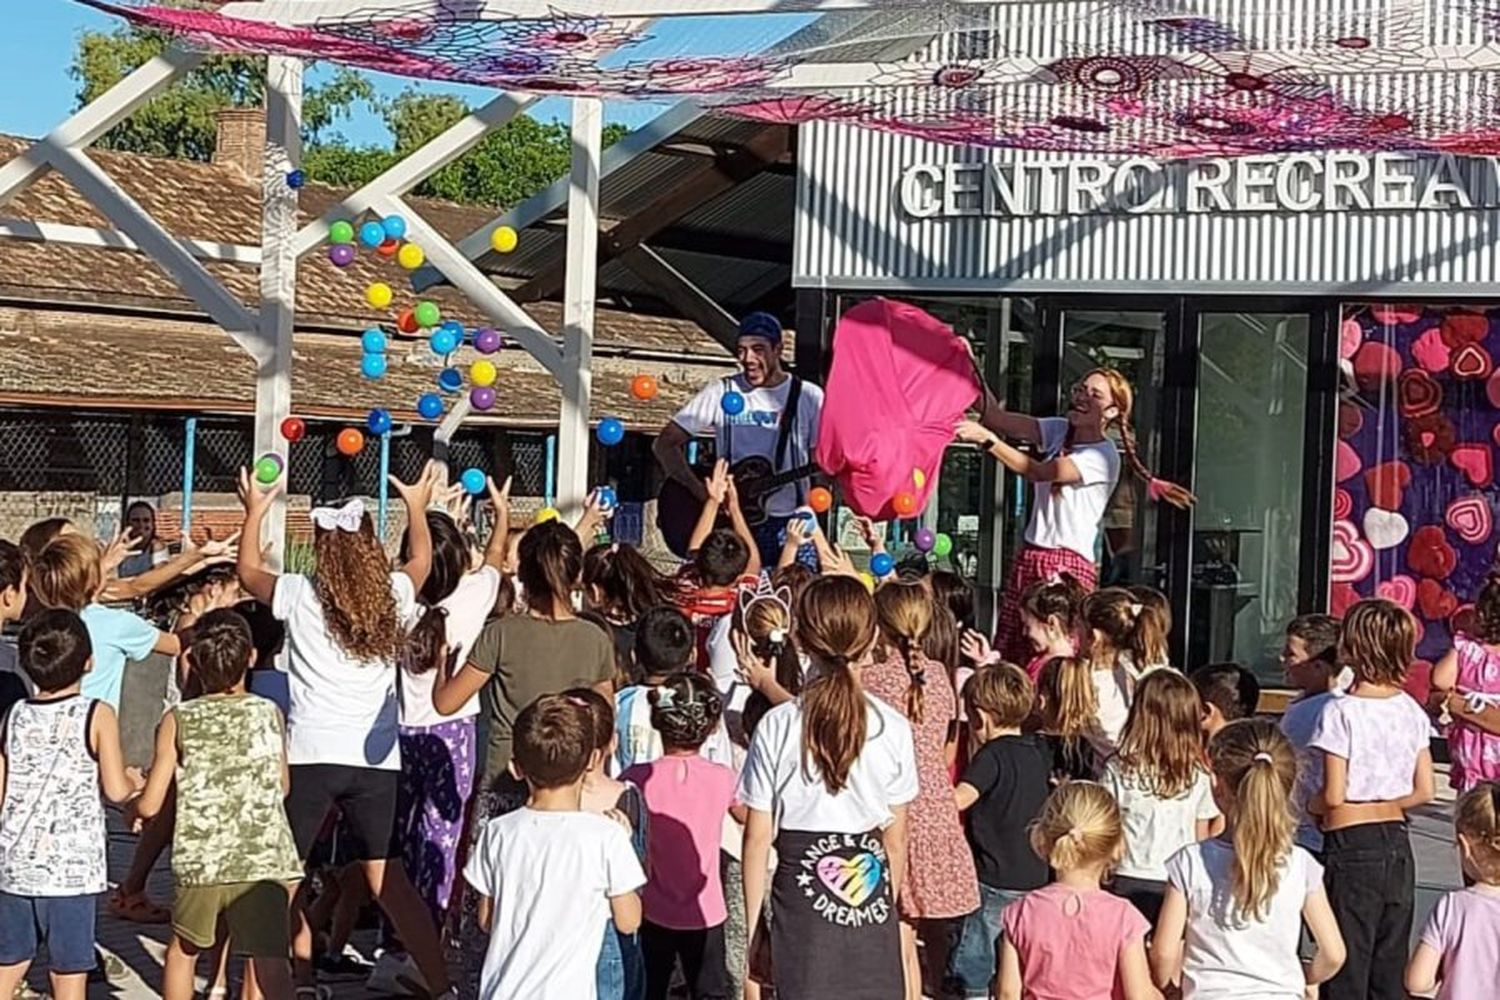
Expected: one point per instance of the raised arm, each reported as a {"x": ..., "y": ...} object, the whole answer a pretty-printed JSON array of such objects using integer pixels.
[
  {"x": 185, "y": 563},
  {"x": 494, "y": 549},
  {"x": 1017, "y": 426},
  {"x": 742, "y": 529},
  {"x": 1052, "y": 470},
  {"x": 416, "y": 496},
  {"x": 670, "y": 449},
  {"x": 715, "y": 493},
  {"x": 258, "y": 580},
  {"x": 451, "y": 691}
]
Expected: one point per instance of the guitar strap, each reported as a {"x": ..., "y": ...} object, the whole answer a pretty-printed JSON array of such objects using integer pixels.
[{"x": 784, "y": 433}]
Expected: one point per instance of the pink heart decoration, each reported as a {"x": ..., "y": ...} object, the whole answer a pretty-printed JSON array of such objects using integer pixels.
[
  {"x": 1352, "y": 557},
  {"x": 1401, "y": 589},
  {"x": 1346, "y": 463},
  {"x": 1391, "y": 315},
  {"x": 1471, "y": 518},
  {"x": 1385, "y": 529},
  {"x": 1343, "y": 504},
  {"x": 1375, "y": 363},
  {"x": 1492, "y": 389},
  {"x": 1431, "y": 352},
  {"x": 1349, "y": 337},
  {"x": 1475, "y": 462}
]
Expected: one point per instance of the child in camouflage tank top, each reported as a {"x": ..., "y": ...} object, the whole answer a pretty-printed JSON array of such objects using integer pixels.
[{"x": 233, "y": 858}]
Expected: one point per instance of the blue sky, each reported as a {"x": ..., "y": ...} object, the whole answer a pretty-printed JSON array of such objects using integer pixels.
[{"x": 40, "y": 37}]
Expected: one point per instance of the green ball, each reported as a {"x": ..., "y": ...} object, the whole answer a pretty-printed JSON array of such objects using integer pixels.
[
  {"x": 427, "y": 314},
  {"x": 341, "y": 232},
  {"x": 942, "y": 545},
  {"x": 268, "y": 470}
]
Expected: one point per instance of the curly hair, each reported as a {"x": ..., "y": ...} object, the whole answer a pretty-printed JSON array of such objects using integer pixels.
[{"x": 353, "y": 586}]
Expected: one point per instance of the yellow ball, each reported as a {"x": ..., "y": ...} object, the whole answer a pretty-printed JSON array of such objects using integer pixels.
[
  {"x": 868, "y": 580},
  {"x": 919, "y": 477},
  {"x": 482, "y": 373},
  {"x": 547, "y": 514},
  {"x": 379, "y": 295},
  {"x": 410, "y": 256},
  {"x": 504, "y": 239}
]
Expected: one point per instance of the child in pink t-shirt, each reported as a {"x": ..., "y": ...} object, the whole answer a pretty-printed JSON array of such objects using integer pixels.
[
  {"x": 686, "y": 797},
  {"x": 1049, "y": 615},
  {"x": 1459, "y": 954},
  {"x": 1071, "y": 938}
]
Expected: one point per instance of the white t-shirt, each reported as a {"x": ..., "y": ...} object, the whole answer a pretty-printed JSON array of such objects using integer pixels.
[
  {"x": 468, "y": 608},
  {"x": 1227, "y": 954},
  {"x": 1156, "y": 828},
  {"x": 1112, "y": 689},
  {"x": 1069, "y": 516},
  {"x": 550, "y": 877},
  {"x": 754, "y": 430},
  {"x": 1298, "y": 723},
  {"x": 343, "y": 710},
  {"x": 1381, "y": 739},
  {"x": 884, "y": 774}
]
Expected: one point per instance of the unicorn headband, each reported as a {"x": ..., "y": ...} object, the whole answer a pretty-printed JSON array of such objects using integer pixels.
[{"x": 763, "y": 591}]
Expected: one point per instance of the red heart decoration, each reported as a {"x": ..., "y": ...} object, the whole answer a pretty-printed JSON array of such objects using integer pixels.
[
  {"x": 1418, "y": 680},
  {"x": 1341, "y": 597},
  {"x": 1472, "y": 362},
  {"x": 1351, "y": 557},
  {"x": 1475, "y": 462},
  {"x": 1417, "y": 393},
  {"x": 1343, "y": 504},
  {"x": 1492, "y": 389},
  {"x": 1393, "y": 315},
  {"x": 1460, "y": 328},
  {"x": 1346, "y": 463},
  {"x": 1400, "y": 589},
  {"x": 1435, "y": 601},
  {"x": 1470, "y": 518},
  {"x": 1430, "y": 352},
  {"x": 1350, "y": 420},
  {"x": 1375, "y": 363},
  {"x": 1387, "y": 483},
  {"x": 1429, "y": 553},
  {"x": 1427, "y": 438}
]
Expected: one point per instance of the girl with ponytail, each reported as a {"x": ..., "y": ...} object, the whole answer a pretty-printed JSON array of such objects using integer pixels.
[
  {"x": 1240, "y": 900},
  {"x": 1071, "y": 938},
  {"x": 828, "y": 779},
  {"x": 1074, "y": 471},
  {"x": 941, "y": 882}
]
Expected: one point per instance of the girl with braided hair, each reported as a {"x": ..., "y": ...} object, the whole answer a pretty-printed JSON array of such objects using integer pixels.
[{"x": 1074, "y": 471}]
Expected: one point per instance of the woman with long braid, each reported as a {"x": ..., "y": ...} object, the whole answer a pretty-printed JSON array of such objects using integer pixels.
[{"x": 1074, "y": 472}]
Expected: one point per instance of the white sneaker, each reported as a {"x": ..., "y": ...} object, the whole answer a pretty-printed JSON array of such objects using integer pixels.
[{"x": 396, "y": 975}]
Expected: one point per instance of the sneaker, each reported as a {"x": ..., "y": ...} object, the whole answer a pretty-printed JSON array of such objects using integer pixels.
[
  {"x": 347, "y": 964},
  {"x": 396, "y": 975}
]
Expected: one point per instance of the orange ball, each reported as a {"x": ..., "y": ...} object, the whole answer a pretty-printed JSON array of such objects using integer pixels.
[
  {"x": 406, "y": 321},
  {"x": 388, "y": 248},
  {"x": 350, "y": 442},
  {"x": 904, "y": 504},
  {"x": 819, "y": 499},
  {"x": 643, "y": 387}
]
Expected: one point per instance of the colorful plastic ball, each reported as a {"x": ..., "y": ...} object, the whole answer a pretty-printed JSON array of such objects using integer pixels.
[
  {"x": 428, "y": 314},
  {"x": 904, "y": 504},
  {"x": 733, "y": 403},
  {"x": 389, "y": 248},
  {"x": 410, "y": 256},
  {"x": 341, "y": 232},
  {"x": 394, "y": 226},
  {"x": 373, "y": 366},
  {"x": 341, "y": 254},
  {"x": 379, "y": 421},
  {"x": 406, "y": 321},
  {"x": 450, "y": 380},
  {"x": 504, "y": 239},
  {"x": 473, "y": 481},
  {"x": 610, "y": 432},
  {"x": 371, "y": 234},
  {"x": 606, "y": 498},
  {"x": 443, "y": 342},
  {"x": 379, "y": 295},
  {"x": 268, "y": 469},
  {"x": 546, "y": 514},
  {"x": 819, "y": 499},
  {"x": 919, "y": 477},
  {"x": 350, "y": 441},
  {"x": 482, "y": 397},
  {"x": 924, "y": 539},
  {"x": 486, "y": 340},
  {"x": 942, "y": 545},
  {"x": 483, "y": 373},
  {"x": 644, "y": 387},
  {"x": 868, "y": 581},
  {"x": 295, "y": 179},
  {"x": 455, "y": 327},
  {"x": 430, "y": 406},
  {"x": 373, "y": 340},
  {"x": 294, "y": 429},
  {"x": 881, "y": 564}
]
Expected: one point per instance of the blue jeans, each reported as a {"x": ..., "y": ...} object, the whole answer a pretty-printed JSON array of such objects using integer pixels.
[
  {"x": 971, "y": 964},
  {"x": 622, "y": 971}
]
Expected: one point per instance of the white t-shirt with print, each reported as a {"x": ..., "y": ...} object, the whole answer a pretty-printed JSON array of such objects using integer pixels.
[
  {"x": 754, "y": 430},
  {"x": 468, "y": 608},
  {"x": 550, "y": 877},
  {"x": 1298, "y": 723},
  {"x": 1156, "y": 828},
  {"x": 1227, "y": 954},
  {"x": 1069, "y": 517},
  {"x": 343, "y": 710},
  {"x": 1112, "y": 696},
  {"x": 1381, "y": 739},
  {"x": 884, "y": 774}
]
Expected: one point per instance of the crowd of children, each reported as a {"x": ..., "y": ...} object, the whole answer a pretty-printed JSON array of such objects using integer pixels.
[{"x": 594, "y": 779}]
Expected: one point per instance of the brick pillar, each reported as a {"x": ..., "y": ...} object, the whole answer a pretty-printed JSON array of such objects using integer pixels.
[{"x": 241, "y": 140}]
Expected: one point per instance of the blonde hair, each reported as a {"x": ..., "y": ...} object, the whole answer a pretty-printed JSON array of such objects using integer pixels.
[
  {"x": 1378, "y": 641},
  {"x": 1477, "y": 820},
  {"x": 1155, "y": 626},
  {"x": 1079, "y": 825},
  {"x": 836, "y": 625},
  {"x": 905, "y": 614},
  {"x": 66, "y": 573},
  {"x": 1161, "y": 745},
  {"x": 1001, "y": 692},
  {"x": 1070, "y": 705},
  {"x": 1257, "y": 767}
]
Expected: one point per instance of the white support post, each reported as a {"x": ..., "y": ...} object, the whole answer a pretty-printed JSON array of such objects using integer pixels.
[
  {"x": 579, "y": 292},
  {"x": 278, "y": 280}
]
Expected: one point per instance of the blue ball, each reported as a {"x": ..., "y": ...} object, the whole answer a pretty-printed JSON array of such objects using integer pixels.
[
  {"x": 443, "y": 342},
  {"x": 295, "y": 179},
  {"x": 733, "y": 403},
  {"x": 882, "y": 564},
  {"x": 430, "y": 406},
  {"x": 373, "y": 341},
  {"x": 393, "y": 226},
  {"x": 371, "y": 234},
  {"x": 454, "y": 327},
  {"x": 611, "y": 432},
  {"x": 473, "y": 481},
  {"x": 607, "y": 498},
  {"x": 373, "y": 365},
  {"x": 450, "y": 380},
  {"x": 379, "y": 421}
]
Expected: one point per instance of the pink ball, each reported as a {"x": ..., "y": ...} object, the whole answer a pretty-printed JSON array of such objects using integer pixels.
[
  {"x": 341, "y": 254},
  {"x": 482, "y": 397},
  {"x": 486, "y": 340}
]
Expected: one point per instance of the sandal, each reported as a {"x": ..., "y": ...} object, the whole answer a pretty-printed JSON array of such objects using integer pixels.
[{"x": 138, "y": 909}]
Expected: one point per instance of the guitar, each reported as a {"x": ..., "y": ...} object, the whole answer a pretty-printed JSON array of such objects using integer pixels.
[{"x": 677, "y": 510}]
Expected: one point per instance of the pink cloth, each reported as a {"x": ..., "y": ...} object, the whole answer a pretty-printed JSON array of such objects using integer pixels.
[
  {"x": 686, "y": 798},
  {"x": 1476, "y": 753},
  {"x": 1069, "y": 941},
  {"x": 900, "y": 382}
]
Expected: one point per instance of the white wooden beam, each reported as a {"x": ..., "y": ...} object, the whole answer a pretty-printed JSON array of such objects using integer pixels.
[
  {"x": 112, "y": 239},
  {"x": 579, "y": 292}
]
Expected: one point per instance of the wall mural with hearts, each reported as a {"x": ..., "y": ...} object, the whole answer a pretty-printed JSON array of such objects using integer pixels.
[{"x": 1419, "y": 423}]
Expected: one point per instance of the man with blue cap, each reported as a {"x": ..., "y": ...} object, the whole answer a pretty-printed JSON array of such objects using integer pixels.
[{"x": 775, "y": 419}]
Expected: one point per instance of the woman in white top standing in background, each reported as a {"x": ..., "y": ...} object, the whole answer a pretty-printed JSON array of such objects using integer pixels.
[{"x": 828, "y": 778}]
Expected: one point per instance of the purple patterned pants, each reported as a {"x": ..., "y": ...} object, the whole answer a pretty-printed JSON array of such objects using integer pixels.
[{"x": 437, "y": 778}]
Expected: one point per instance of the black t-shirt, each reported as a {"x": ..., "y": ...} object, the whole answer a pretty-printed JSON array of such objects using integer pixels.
[{"x": 1012, "y": 775}]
